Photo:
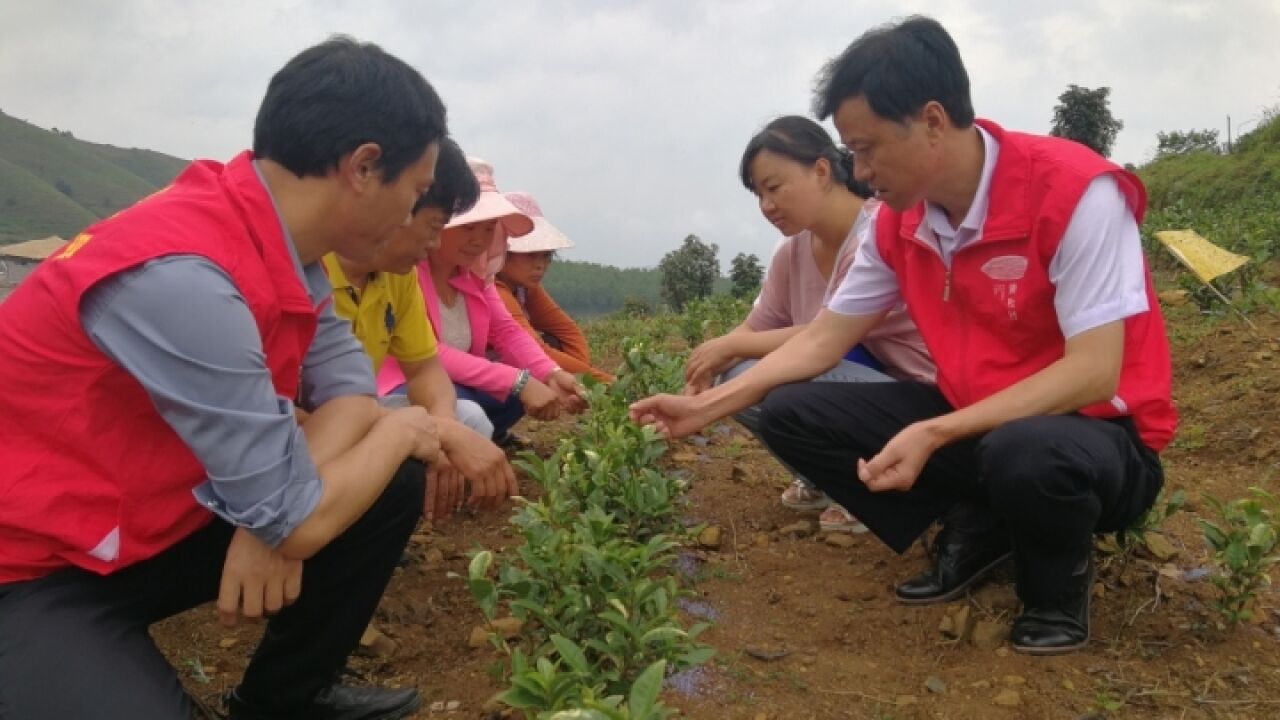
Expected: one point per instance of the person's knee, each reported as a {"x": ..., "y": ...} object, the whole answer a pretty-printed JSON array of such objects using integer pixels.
[
  {"x": 1022, "y": 461},
  {"x": 735, "y": 371},
  {"x": 394, "y": 402},
  {"x": 778, "y": 414},
  {"x": 472, "y": 415},
  {"x": 749, "y": 419}
]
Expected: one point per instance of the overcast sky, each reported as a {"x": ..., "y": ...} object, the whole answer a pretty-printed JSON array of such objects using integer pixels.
[{"x": 625, "y": 119}]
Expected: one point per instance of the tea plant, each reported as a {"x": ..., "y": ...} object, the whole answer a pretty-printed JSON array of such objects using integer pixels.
[
  {"x": 545, "y": 688},
  {"x": 646, "y": 371},
  {"x": 592, "y": 582},
  {"x": 608, "y": 337},
  {"x": 1243, "y": 540},
  {"x": 711, "y": 316}
]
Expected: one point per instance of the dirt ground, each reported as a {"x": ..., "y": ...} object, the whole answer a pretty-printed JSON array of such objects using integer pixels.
[{"x": 808, "y": 629}]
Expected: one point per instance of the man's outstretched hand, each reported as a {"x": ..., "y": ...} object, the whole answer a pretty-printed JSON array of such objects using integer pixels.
[{"x": 674, "y": 416}]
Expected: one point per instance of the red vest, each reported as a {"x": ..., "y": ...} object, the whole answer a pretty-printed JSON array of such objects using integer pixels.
[
  {"x": 991, "y": 322},
  {"x": 90, "y": 474}
]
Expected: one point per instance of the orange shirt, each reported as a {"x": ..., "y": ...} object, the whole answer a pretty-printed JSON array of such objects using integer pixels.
[{"x": 540, "y": 314}]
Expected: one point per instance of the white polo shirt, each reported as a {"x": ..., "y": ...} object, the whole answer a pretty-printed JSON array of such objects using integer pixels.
[{"x": 1098, "y": 270}]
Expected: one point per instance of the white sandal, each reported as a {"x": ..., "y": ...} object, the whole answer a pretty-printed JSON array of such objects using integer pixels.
[
  {"x": 804, "y": 497},
  {"x": 836, "y": 519}
]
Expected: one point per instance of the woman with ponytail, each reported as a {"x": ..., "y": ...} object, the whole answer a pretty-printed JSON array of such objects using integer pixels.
[{"x": 806, "y": 189}]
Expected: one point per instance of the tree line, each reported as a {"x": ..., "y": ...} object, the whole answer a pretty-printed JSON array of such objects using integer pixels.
[{"x": 685, "y": 274}]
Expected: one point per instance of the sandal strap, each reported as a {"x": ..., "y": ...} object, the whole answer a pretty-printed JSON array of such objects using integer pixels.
[
  {"x": 845, "y": 515},
  {"x": 802, "y": 492}
]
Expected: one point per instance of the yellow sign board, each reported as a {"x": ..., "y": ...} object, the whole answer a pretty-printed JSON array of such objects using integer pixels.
[{"x": 1201, "y": 257}]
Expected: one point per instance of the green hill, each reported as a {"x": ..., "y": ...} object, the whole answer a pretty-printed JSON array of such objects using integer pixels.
[
  {"x": 586, "y": 289},
  {"x": 1231, "y": 199},
  {"x": 52, "y": 183}
]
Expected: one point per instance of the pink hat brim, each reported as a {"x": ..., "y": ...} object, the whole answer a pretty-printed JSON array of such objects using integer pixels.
[
  {"x": 544, "y": 236},
  {"x": 492, "y": 206}
]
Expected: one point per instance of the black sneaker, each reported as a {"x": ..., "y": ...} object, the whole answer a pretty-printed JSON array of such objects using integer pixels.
[
  {"x": 511, "y": 441},
  {"x": 337, "y": 702}
]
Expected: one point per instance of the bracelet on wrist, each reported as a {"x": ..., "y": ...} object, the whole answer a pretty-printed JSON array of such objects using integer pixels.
[{"x": 522, "y": 379}]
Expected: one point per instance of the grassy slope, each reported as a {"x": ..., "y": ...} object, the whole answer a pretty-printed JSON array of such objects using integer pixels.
[
  {"x": 156, "y": 168},
  {"x": 102, "y": 179},
  {"x": 1233, "y": 200},
  {"x": 31, "y": 208}
]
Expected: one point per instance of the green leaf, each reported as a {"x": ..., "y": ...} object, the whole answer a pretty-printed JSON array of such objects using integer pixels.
[
  {"x": 479, "y": 567},
  {"x": 520, "y": 698},
  {"x": 663, "y": 633},
  {"x": 531, "y": 683},
  {"x": 697, "y": 656},
  {"x": 622, "y": 609},
  {"x": 1262, "y": 536},
  {"x": 578, "y": 714},
  {"x": 485, "y": 595},
  {"x": 1236, "y": 556},
  {"x": 571, "y": 654},
  {"x": 644, "y": 692},
  {"x": 1213, "y": 534}
]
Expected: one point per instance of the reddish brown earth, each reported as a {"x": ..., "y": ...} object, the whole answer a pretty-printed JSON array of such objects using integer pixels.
[{"x": 834, "y": 642}]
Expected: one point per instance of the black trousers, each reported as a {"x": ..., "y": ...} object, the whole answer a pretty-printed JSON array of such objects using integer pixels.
[
  {"x": 75, "y": 645},
  {"x": 1053, "y": 481}
]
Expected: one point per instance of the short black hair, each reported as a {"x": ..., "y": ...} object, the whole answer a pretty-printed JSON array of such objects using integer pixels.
[
  {"x": 338, "y": 95},
  {"x": 455, "y": 189},
  {"x": 804, "y": 141},
  {"x": 898, "y": 68}
]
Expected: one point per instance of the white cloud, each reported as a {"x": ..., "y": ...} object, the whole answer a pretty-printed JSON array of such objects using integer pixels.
[{"x": 626, "y": 119}]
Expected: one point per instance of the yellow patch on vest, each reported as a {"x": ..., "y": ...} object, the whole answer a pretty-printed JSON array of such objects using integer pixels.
[{"x": 74, "y": 246}]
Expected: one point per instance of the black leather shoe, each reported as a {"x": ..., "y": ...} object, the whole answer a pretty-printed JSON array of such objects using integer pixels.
[
  {"x": 337, "y": 702},
  {"x": 970, "y": 545},
  {"x": 1057, "y": 627}
]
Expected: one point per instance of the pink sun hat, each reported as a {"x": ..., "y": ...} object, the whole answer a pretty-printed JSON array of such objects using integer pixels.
[
  {"x": 545, "y": 236},
  {"x": 492, "y": 205}
]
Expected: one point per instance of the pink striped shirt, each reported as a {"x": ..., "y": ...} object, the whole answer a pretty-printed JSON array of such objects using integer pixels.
[{"x": 795, "y": 291}]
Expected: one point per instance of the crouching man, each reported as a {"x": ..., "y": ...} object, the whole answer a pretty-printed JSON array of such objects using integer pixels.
[
  {"x": 151, "y": 457},
  {"x": 1019, "y": 259}
]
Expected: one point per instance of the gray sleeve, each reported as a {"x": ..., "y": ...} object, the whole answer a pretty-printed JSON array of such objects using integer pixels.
[
  {"x": 336, "y": 365},
  {"x": 181, "y": 328}
]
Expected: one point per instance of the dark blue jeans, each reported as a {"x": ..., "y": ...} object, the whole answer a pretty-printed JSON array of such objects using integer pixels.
[{"x": 503, "y": 414}]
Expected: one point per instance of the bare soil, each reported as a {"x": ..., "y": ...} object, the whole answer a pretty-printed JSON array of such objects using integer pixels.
[{"x": 806, "y": 629}]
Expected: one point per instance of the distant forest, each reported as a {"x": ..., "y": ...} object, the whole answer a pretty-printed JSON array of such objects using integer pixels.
[{"x": 586, "y": 289}]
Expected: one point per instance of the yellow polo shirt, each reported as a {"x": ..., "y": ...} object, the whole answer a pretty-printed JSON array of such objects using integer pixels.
[{"x": 389, "y": 317}]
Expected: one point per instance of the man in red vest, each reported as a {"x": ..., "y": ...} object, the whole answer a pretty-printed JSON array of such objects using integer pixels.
[
  {"x": 1018, "y": 257},
  {"x": 151, "y": 457}
]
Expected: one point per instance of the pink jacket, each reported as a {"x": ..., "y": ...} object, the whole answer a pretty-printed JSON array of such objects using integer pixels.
[{"x": 491, "y": 324}]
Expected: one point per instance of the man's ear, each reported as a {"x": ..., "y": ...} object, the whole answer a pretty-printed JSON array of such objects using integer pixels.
[
  {"x": 362, "y": 166},
  {"x": 935, "y": 119}
]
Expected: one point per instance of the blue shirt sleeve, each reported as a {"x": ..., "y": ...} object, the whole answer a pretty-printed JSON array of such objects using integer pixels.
[
  {"x": 336, "y": 365},
  {"x": 212, "y": 387}
]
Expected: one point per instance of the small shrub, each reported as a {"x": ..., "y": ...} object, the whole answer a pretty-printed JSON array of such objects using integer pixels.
[
  {"x": 1243, "y": 540},
  {"x": 592, "y": 582}
]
